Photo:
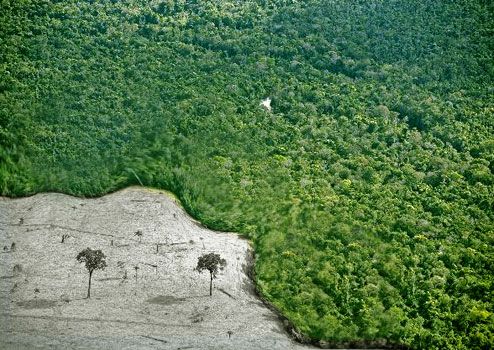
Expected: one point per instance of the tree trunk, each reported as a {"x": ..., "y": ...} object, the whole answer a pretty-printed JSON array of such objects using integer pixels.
[
  {"x": 211, "y": 285},
  {"x": 89, "y": 287}
]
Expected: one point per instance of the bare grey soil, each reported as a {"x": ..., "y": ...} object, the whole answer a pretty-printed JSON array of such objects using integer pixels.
[{"x": 166, "y": 305}]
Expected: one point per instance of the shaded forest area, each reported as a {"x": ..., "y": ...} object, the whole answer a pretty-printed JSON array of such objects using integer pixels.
[{"x": 367, "y": 190}]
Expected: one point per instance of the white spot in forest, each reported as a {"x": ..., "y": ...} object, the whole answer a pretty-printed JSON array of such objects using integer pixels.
[{"x": 266, "y": 103}]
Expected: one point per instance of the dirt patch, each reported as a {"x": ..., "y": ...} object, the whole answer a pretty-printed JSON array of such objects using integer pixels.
[
  {"x": 37, "y": 304},
  {"x": 165, "y": 300}
]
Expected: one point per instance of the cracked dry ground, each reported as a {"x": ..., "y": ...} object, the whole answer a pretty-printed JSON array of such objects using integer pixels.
[{"x": 162, "y": 304}]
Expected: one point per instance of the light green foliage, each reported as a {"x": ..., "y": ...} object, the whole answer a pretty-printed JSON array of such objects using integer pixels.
[{"x": 367, "y": 190}]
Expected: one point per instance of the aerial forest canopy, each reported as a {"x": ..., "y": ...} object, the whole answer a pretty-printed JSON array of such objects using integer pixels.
[{"x": 367, "y": 190}]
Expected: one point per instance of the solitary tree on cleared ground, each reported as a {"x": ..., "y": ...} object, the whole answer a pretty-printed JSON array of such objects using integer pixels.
[
  {"x": 94, "y": 260},
  {"x": 213, "y": 263}
]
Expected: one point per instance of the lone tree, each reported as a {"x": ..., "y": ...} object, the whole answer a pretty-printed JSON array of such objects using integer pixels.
[
  {"x": 213, "y": 263},
  {"x": 94, "y": 260}
]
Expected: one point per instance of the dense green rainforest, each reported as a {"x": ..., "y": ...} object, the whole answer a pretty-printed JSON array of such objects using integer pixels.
[{"x": 367, "y": 190}]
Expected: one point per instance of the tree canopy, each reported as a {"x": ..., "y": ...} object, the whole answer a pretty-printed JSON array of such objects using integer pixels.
[
  {"x": 213, "y": 263},
  {"x": 93, "y": 260}
]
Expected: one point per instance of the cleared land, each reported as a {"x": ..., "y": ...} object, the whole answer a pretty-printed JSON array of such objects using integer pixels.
[{"x": 166, "y": 305}]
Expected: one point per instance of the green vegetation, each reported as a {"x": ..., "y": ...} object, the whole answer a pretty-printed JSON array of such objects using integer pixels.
[{"x": 367, "y": 191}]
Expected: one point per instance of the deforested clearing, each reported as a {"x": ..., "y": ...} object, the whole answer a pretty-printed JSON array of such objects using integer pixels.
[{"x": 167, "y": 305}]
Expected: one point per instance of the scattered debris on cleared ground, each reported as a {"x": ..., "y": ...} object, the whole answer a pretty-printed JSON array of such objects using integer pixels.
[{"x": 149, "y": 295}]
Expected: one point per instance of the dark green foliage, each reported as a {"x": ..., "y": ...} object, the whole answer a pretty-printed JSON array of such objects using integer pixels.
[{"x": 367, "y": 191}]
